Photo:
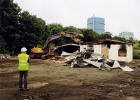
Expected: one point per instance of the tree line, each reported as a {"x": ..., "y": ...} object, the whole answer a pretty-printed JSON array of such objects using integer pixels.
[{"x": 19, "y": 28}]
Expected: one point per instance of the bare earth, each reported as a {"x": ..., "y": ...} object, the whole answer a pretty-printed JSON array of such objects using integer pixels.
[{"x": 55, "y": 81}]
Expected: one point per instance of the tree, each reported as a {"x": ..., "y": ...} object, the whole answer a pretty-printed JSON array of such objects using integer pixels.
[
  {"x": 9, "y": 15},
  {"x": 18, "y": 29},
  {"x": 3, "y": 45},
  {"x": 33, "y": 30},
  {"x": 139, "y": 43},
  {"x": 105, "y": 36},
  {"x": 55, "y": 28},
  {"x": 71, "y": 29},
  {"x": 108, "y": 33},
  {"x": 89, "y": 35},
  {"x": 119, "y": 38}
]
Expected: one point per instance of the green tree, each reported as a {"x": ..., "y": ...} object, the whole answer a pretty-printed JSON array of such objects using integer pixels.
[
  {"x": 55, "y": 28},
  {"x": 119, "y": 38},
  {"x": 9, "y": 15},
  {"x": 18, "y": 29},
  {"x": 136, "y": 49},
  {"x": 71, "y": 29},
  {"x": 33, "y": 30},
  {"x": 89, "y": 35},
  {"x": 3, "y": 45},
  {"x": 139, "y": 43},
  {"x": 105, "y": 36}
]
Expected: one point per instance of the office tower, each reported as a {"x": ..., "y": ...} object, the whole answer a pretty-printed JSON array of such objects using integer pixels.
[
  {"x": 97, "y": 24},
  {"x": 126, "y": 35}
]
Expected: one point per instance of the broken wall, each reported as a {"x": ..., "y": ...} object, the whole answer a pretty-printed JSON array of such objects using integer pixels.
[
  {"x": 122, "y": 51},
  {"x": 97, "y": 49},
  {"x": 67, "y": 49},
  {"x": 113, "y": 53},
  {"x": 105, "y": 50},
  {"x": 83, "y": 47}
]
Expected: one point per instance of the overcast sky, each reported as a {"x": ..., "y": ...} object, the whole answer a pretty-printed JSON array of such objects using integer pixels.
[{"x": 120, "y": 15}]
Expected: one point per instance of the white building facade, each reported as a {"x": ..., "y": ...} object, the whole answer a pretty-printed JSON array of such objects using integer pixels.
[{"x": 114, "y": 52}]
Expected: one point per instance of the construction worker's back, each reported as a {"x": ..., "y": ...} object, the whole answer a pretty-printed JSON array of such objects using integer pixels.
[
  {"x": 23, "y": 62},
  {"x": 23, "y": 68}
]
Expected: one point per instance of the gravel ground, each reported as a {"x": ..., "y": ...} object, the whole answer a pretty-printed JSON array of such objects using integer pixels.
[{"x": 49, "y": 80}]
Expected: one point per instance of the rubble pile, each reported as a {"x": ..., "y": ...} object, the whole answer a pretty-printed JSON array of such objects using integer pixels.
[
  {"x": 90, "y": 59},
  {"x": 4, "y": 57},
  {"x": 57, "y": 59}
]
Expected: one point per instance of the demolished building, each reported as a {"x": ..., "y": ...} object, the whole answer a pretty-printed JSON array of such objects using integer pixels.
[
  {"x": 111, "y": 49},
  {"x": 115, "y": 50},
  {"x": 67, "y": 49},
  {"x": 104, "y": 54}
]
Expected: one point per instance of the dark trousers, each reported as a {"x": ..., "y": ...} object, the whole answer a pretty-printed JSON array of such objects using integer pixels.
[{"x": 21, "y": 75}]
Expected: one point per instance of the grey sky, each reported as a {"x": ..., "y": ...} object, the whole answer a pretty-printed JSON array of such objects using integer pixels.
[{"x": 120, "y": 15}]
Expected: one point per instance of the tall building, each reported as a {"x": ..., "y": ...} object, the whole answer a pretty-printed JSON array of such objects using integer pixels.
[
  {"x": 126, "y": 35},
  {"x": 97, "y": 24}
]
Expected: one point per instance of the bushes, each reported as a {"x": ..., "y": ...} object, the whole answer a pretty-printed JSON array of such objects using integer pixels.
[
  {"x": 136, "y": 53},
  {"x": 136, "y": 50}
]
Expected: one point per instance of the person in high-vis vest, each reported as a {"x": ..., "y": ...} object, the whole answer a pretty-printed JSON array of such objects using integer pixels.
[{"x": 23, "y": 68}]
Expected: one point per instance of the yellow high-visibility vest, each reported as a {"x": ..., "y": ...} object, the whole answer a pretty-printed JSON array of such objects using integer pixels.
[{"x": 23, "y": 62}]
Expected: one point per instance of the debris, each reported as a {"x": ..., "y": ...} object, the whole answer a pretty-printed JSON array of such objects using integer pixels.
[
  {"x": 38, "y": 84},
  {"x": 67, "y": 54},
  {"x": 94, "y": 63},
  {"x": 4, "y": 57},
  {"x": 112, "y": 64},
  {"x": 86, "y": 58},
  {"x": 130, "y": 80},
  {"x": 126, "y": 68},
  {"x": 57, "y": 59},
  {"x": 83, "y": 59}
]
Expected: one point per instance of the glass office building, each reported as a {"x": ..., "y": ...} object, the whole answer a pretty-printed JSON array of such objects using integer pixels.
[
  {"x": 126, "y": 35},
  {"x": 97, "y": 24}
]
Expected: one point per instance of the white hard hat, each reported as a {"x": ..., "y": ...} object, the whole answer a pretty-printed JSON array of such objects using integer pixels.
[{"x": 23, "y": 49}]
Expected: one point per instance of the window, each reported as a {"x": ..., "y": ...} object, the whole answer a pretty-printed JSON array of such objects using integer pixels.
[{"x": 122, "y": 51}]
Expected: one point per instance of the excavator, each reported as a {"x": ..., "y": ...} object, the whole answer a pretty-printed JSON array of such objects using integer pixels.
[{"x": 48, "y": 49}]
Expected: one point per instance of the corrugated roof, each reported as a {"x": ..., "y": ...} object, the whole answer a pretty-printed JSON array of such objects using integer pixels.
[
  {"x": 111, "y": 41},
  {"x": 106, "y": 41}
]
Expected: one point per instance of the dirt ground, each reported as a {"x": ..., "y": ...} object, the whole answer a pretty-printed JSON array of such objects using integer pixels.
[{"x": 50, "y": 80}]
